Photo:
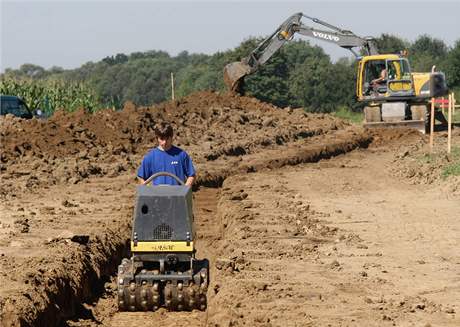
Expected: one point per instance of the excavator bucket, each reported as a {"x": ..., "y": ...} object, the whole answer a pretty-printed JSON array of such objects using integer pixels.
[{"x": 234, "y": 74}]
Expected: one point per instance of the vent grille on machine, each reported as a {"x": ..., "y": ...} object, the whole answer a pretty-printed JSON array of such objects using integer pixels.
[{"x": 162, "y": 232}]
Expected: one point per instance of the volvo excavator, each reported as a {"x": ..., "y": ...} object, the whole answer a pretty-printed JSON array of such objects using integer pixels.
[{"x": 399, "y": 98}]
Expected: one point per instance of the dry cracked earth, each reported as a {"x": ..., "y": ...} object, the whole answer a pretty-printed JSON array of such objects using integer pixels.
[{"x": 306, "y": 219}]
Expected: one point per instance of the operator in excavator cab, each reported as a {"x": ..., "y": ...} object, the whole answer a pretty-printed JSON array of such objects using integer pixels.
[
  {"x": 382, "y": 78},
  {"x": 378, "y": 85}
]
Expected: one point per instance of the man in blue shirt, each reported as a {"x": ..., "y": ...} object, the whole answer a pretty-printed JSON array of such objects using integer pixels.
[{"x": 166, "y": 158}]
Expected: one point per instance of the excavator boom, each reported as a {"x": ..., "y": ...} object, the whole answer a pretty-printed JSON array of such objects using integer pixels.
[{"x": 235, "y": 72}]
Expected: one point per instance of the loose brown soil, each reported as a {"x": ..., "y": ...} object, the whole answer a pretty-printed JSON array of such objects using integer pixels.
[{"x": 306, "y": 220}]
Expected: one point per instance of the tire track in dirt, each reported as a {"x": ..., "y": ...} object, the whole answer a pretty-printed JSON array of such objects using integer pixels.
[{"x": 269, "y": 235}]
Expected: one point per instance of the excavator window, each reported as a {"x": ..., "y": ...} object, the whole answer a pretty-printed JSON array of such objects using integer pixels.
[
  {"x": 392, "y": 71},
  {"x": 399, "y": 76},
  {"x": 398, "y": 69},
  {"x": 373, "y": 70}
]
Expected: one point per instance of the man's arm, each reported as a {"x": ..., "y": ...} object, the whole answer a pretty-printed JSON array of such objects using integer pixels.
[
  {"x": 189, "y": 181},
  {"x": 383, "y": 76},
  {"x": 189, "y": 170},
  {"x": 140, "y": 180}
]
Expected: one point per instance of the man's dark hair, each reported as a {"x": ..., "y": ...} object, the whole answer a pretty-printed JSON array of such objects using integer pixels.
[{"x": 163, "y": 130}]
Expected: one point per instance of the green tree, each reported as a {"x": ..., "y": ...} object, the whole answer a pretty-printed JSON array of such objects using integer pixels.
[
  {"x": 426, "y": 52},
  {"x": 118, "y": 59},
  {"x": 453, "y": 66},
  {"x": 27, "y": 71},
  {"x": 425, "y": 44},
  {"x": 196, "y": 78},
  {"x": 388, "y": 43},
  {"x": 269, "y": 83}
]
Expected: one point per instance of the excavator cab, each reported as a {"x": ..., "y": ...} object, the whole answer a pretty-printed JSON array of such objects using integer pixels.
[{"x": 398, "y": 82}]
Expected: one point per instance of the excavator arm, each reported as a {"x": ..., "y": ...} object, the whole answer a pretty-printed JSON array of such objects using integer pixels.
[{"x": 235, "y": 72}]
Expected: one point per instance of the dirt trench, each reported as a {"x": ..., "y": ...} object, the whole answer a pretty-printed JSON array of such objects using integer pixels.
[
  {"x": 332, "y": 243},
  {"x": 80, "y": 254}
]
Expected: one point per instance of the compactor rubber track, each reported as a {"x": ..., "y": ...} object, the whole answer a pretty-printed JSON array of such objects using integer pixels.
[{"x": 150, "y": 295}]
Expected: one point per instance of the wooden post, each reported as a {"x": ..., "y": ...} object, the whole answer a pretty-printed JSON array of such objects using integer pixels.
[
  {"x": 449, "y": 120},
  {"x": 172, "y": 86},
  {"x": 453, "y": 100},
  {"x": 432, "y": 125}
]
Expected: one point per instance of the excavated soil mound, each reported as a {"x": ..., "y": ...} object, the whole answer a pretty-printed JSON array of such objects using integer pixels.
[
  {"x": 419, "y": 164},
  {"x": 113, "y": 132},
  {"x": 71, "y": 147}
]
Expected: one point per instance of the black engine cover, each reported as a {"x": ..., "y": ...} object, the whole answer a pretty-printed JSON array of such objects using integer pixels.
[{"x": 163, "y": 213}]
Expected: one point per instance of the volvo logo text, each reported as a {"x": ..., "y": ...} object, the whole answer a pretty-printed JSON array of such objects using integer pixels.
[{"x": 326, "y": 36}]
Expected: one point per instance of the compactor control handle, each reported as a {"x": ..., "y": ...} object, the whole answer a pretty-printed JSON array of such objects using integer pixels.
[{"x": 151, "y": 178}]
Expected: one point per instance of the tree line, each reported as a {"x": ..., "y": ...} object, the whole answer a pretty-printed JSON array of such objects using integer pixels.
[{"x": 298, "y": 75}]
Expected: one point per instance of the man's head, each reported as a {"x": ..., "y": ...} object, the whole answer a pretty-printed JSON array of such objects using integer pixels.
[{"x": 164, "y": 133}]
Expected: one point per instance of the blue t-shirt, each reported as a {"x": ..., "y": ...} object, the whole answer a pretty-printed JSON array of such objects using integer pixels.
[{"x": 175, "y": 161}]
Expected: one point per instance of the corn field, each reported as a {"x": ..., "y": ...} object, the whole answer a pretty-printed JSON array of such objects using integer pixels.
[{"x": 49, "y": 95}]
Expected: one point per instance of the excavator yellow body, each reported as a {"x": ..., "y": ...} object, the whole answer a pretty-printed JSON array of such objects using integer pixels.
[{"x": 403, "y": 98}]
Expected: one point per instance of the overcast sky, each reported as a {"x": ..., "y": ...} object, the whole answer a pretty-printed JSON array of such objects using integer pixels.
[{"x": 71, "y": 33}]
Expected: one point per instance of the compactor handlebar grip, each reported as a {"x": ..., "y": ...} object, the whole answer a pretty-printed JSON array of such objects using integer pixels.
[{"x": 151, "y": 178}]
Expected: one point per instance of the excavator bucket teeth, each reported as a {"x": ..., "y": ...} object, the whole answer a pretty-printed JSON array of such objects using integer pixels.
[{"x": 234, "y": 74}]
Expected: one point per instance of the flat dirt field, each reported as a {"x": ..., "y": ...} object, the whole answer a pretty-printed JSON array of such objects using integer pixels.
[{"x": 306, "y": 219}]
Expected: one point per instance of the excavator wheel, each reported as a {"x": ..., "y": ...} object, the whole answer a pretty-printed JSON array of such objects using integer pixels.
[
  {"x": 372, "y": 114},
  {"x": 419, "y": 112}
]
